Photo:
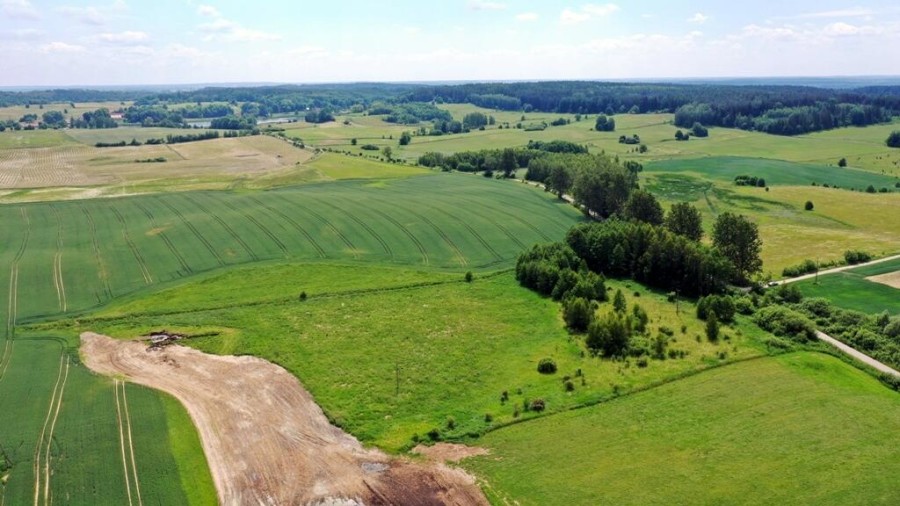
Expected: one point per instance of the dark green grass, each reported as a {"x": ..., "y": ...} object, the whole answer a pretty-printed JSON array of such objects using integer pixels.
[
  {"x": 851, "y": 290},
  {"x": 775, "y": 172},
  {"x": 797, "y": 429}
]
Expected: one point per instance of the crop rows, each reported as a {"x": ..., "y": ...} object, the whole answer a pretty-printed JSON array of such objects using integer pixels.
[{"x": 65, "y": 257}]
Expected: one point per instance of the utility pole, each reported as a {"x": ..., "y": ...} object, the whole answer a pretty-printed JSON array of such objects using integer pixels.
[{"x": 817, "y": 271}]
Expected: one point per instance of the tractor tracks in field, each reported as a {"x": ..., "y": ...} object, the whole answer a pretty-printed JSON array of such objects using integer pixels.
[
  {"x": 148, "y": 279},
  {"x": 95, "y": 245},
  {"x": 41, "y": 464},
  {"x": 57, "y": 264},
  {"x": 293, "y": 223},
  {"x": 13, "y": 298},
  {"x": 347, "y": 242},
  {"x": 126, "y": 444},
  {"x": 168, "y": 242},
  {"x": 361, "y": 223},
  {"x": 461, "y": 259},
  {"x": 218, "y": 219},
  {"x": 193, "y": 229}
]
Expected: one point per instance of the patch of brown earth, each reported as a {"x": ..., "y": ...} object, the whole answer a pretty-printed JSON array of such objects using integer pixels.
[
  {"x": 891, "y": 279},
  {"x": 449, "y": 452},
  {"x": 266, "y": 440}
]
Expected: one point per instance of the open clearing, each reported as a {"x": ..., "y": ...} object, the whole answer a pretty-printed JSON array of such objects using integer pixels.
[
  {"x": 891, "y": 279},
  {"x": 796, "y": 429},
  {"x": 856, "y": 288},
  {"x": 266, "y": 439}
]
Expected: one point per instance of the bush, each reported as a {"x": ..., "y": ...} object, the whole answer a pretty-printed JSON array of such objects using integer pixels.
[
  {"x": 469, "y": 277},
  {"x": 744, "y": 305},
  {"x": 609, "y": 335},
  {"x": 805, "y": 267},
  {"x": 537, "y": 405},
  {"x": 785, "y": 322},
  {"x": 712, "y": 326},
  {"x": 722, "y": 305},
  {"x": 856, "y": 257},
  {"x": 578, "y": 313},
  {"x": 808, "y": 206},
  {"x": 546, "y": 366},
  {"x": 893, "y": 140},
  {"x": 369, "y": 147}
]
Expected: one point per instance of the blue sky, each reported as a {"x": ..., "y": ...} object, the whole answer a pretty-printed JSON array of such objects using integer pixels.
[{"x": 70, "y": 42}]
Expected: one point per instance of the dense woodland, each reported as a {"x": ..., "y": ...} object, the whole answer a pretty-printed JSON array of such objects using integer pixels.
[{"x": 781, "y": 110}]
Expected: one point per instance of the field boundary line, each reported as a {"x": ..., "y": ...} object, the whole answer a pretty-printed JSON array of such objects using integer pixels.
[
  {"x": 218, "y": 219},
  {"x": 193, "y": 229},
  {"x": 122, "y": 440},
  {"x": 838, "y": 269},
  {"x": 165, "y": 238},
  {"x": 102, "y": 272},
  {"x": 148, "y": 279},
  {"x": 137, "y": 484},
  {"x": 36, "y": 464},
  {"x": 62, "y": 391},
  {"x": 325, "y": 221},
  {"x": 293, "y": 223}
]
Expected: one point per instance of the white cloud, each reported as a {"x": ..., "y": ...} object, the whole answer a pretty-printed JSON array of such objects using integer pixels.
[
  {"x": 840, "y": 13},
  {"x": 87, "y": 15},
  {"x": 23, "y": 34},
  {"x": 309, "y": 52},
  {"x": 698, "y": 18},
  {"x": 481, "y": 5},
  {"x": 222, "y": 28},
  {"x": 20, "y": 9},
  {"x": 527, "y": 16},
  {"x": 208, "y": 11},
  {"x": 587, "y": 11},
  {"x": 61, "y": 47},
  {"x": 126, "y": 37},
  {"x": 841, "y": 29}
]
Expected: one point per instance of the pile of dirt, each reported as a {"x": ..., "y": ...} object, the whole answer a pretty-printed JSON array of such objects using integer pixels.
[{"x": 266, "y": 440}]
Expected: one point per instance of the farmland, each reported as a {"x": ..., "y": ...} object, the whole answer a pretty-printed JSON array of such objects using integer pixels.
[
  {"x": 349, "y": 270},
  {"x": 764, "y": 430},
  {"x": 851, "y": 289}
]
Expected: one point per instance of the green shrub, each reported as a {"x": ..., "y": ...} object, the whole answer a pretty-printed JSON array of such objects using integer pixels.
[
  {"x": 537, "y": 405},
  {"x": 722, "y": 305},
  {"x": 546, "y": 366},
  {"x": 785, "y": 322},
  {"x": 578, "y": 313}
]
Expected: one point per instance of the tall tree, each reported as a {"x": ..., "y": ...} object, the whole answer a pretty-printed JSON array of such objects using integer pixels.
[
  {"x": 684, "y": 219},
  {"x": 560, "y": 179},
  {"x": 508, "y": 163},
  {"x": 737, "y": 238},
  {"x": 643, "y": 206}
]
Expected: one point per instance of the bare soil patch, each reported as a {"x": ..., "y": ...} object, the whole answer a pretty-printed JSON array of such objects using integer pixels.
[
  {"x": 449, "y": 452},
  {"x": 266, "y": 440},
  {"x": 891, "y": 279}
]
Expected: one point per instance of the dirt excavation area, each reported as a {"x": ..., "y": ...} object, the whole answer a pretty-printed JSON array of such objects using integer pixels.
[
  {"x": 266, "y": 440},
  {"x": 891, "y": 279}
]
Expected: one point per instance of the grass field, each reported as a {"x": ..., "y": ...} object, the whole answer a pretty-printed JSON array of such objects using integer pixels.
[
  {"x": 841, "y": 219},
  {"x": 850, "y": 289},
  {"x": 457, "y": 346},
  {"x": 800, "y": 428}
]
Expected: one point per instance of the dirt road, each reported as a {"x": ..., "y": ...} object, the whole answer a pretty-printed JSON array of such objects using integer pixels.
[
  {"x": 858, "y": 355},
  {"x": 266, "y": 440},
  {"x": 836, "y": 269}
]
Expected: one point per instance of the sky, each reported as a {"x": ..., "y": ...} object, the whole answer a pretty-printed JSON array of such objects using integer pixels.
[{"x": 131, "y": 42}]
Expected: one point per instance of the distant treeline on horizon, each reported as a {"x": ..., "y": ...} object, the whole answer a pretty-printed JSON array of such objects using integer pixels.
[{"x": 773, "y": 108}]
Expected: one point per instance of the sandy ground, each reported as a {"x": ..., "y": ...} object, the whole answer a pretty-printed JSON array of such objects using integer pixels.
[
  {"x": 891, "y": 279},
  {"x": 266, "y": 440}
]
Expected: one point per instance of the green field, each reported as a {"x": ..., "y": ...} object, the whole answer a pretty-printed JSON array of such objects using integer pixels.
[
  {"x": 850, "y": 289},
  {"x": 70, "y": 256},
  {"x": 457, "y": 346},
  {"x": 761, "y": 432}
]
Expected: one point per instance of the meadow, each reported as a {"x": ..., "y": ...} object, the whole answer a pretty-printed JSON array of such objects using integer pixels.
[
  {"x": 67, "y": 257},
  {"x": 349, "y": 272},
  {"x": 763, "y": 431},
  {"x": 851, "y": 290},
  {"x": 389, "y": 375}
]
